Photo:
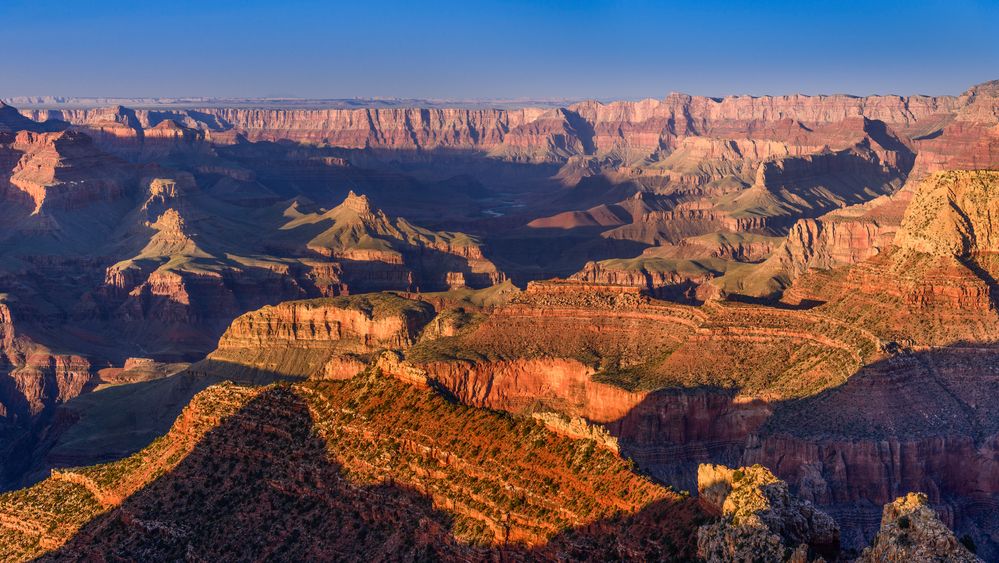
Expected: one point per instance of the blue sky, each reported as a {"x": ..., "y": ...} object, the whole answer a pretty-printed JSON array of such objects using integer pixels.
[{"x": 494, "y": 48}]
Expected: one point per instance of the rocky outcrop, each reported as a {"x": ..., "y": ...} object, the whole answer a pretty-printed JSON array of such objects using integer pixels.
[
  {"x": 760, "y": 519},
  {"x": 936, "y": 230},
  {"x": 379, "y": 252},
  {"x": 970, "y": 141},
  {"x": 823, "y": 244},
  {"x": 917, "y": 421},
  {"x": 34, "y": 379},
  {"x": 34, "y": 382},
  {"x": 834, "y": 240},
  {"x": 64, "y": 170},
  {"x": 679, "y": 282},
  {"x": 373, "y": 321},
  {"x": 520, "y": 385},
  {"x": 951, "y": 215},
  {"x": 578, "y": 428},
  {"x": 319, "y": 337},
  {"x": 671, "y": 431},
  {"x": 911, "y": 531}
]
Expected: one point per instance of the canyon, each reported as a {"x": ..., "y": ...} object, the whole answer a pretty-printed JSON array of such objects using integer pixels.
[{"x": 616, "y": 292}]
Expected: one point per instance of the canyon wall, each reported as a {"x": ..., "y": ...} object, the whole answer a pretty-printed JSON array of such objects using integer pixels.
[{"x": 531, "y": 134}]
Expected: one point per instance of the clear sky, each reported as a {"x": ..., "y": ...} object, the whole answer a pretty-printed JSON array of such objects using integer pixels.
[{"x": 494, "y": 48}]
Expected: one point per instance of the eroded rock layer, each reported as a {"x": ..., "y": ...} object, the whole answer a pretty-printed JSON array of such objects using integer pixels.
[{"x": 348, "y": 470}]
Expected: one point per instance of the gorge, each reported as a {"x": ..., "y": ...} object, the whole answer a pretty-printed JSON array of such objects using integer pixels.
[{"x": 472, "y": 333}]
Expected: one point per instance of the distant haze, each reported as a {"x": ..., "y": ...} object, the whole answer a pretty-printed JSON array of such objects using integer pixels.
[{"x": 495, "y": 49}]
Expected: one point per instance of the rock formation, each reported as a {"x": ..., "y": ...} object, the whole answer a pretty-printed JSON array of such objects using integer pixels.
[
  {"x": 911, "y": 531},
  {"x": 64, "y": 169},
  {"x": 34, "y": 381},
  {"x": 391, "y": 253},
  {"x": 643, "y": 126},
  {"x": 319, "y": 337},
  {"x": 760, "y": 519}
]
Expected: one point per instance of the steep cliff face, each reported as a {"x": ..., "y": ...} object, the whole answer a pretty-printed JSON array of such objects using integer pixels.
[
  {"x": 563, "y": 385},
  {"x": 951, "y": 215},
  {"x": 671, "y": 431},
  {"x": 132, "y": 134},
  {"x": 837, "y": 239},
  {"x": 628, "y": 129},
  {"x": 679, "y": 280},
  {"x": 825, "y": 244},
  {"x": 921, "y": 421},
  {"x": 34, "y": 381},
  {"x": 934, "y": 237},
  {"x": 968, "y": 142},
  {"x": 319, "y": 337},
  {"x": 64, "y": 170}
]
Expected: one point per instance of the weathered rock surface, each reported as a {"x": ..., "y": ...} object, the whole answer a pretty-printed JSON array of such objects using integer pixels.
[
  {"x": 760, "y": 519},
  {"x": 951, "y": 215},
  {"x": 327, "y": 338},
  {"x": 937, "y": 230},
  {"x": 64, "y": 169},
  {"x": 911, "y": 531}
]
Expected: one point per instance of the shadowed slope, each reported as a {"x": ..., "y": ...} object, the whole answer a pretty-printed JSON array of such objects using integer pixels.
[{"x": 369, "y": 468}]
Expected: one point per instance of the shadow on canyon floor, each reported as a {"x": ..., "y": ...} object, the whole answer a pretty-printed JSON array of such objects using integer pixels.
[
  {"x": 803, "y": 305},
  {"x": 262, "y": 485}
]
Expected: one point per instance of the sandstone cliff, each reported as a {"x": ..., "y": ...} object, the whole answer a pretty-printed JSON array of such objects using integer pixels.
[
  {"x": 64, "y": 169},
  {"x": 950, "y": 215},
  {"x": 324, "y": 338},
  {"x": 34, "y": 382}
]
